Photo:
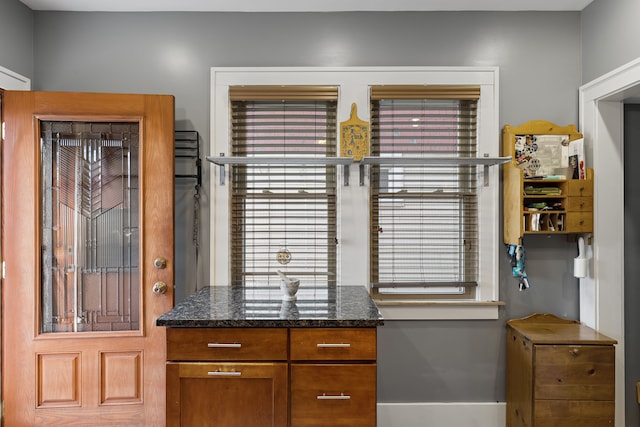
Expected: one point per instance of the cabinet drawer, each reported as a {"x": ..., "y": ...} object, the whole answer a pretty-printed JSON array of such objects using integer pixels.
[
  {"x": 226, "y": 344},
  {"x": 579, "y": 222},
  {"x": 333, "y": 395},
  {"x": 580, "y": 187},
  {"x": 580, "y": 204},
  {"x": 333, "y": 344},
  {"x": 561, "y": 413},
  {"x": 574, "y": 372}
]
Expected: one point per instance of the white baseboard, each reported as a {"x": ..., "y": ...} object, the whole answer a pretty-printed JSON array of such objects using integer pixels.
[{"x": 484, "y": 414}]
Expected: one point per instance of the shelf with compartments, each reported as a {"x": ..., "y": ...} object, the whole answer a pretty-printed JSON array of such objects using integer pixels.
[{"x": 543, "y": 204}]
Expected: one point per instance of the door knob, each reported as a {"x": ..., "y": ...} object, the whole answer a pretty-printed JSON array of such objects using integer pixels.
[
  {"x": 160, "y": 263},
  {"x": 159, "y": 288}
]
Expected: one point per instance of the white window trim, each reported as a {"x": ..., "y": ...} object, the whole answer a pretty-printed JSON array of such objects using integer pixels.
[{"x": 353, "y": 232}]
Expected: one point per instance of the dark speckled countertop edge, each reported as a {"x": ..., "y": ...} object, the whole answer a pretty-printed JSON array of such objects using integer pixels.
[
  {"x": 228, "y": 307},
  {"x": 268, "y": 323}
]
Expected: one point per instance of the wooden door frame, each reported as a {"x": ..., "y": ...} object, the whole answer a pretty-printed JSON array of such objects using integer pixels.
[{"x": 9, "y": 80}]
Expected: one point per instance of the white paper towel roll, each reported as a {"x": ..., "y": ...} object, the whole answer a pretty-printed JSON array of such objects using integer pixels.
[{"x": 580, "y": 266}]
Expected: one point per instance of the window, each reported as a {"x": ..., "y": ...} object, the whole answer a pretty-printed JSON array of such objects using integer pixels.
[
  {"x": 464, "y": 282},
  {"x": 424, "y": 222},
  {"x": 283, "y": 210}
]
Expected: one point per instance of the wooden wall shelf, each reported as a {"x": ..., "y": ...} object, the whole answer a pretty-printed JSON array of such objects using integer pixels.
[{"x": 541, "y": 205}]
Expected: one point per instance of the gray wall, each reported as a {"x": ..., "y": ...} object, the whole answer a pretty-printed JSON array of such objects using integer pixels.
[
  {"x": 610, "y": 36},
  {"x": 631, "y": 265},
  {"x": 16, "y": 37},
  {"x": 539, "y": 59}
]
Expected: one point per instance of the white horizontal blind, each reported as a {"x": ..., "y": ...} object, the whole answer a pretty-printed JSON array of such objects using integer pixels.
[
  {"x": 283, "y": 216},
  {"x": 424, "y": 237}
]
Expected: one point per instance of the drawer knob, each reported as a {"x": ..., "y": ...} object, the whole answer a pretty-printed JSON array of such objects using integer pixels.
[
  {"x": 574, "y": 352},
  {"x": 329, "y": 345},
  {"x": 224, "y": 345},
  {"x": 340, "y": 396}
]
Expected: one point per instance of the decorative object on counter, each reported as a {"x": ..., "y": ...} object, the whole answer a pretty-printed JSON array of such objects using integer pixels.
[
  {"x": 289, "y": 286},
  {"x": 289, "y": 309},
  {"x": 354, "y": 136}
]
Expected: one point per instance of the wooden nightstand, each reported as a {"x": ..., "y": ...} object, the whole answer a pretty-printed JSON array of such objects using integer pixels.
[{"x": 559, "y": 373}]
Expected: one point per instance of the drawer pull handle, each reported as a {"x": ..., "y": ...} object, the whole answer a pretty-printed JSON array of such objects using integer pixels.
[
  {"x": 224, "y": 374},
  {"x": 224, "y": 345},
  {"x": 341, "y": 396},
  {"x": 328, "y": 345}
]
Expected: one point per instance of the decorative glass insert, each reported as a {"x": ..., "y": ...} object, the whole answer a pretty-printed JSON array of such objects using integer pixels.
[{"x": 89, "y": 227}]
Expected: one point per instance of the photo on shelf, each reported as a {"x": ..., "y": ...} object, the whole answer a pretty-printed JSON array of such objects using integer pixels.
[{"x": 541, "y": 155}]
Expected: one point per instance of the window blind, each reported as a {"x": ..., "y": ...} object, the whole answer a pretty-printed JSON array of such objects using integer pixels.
[
  {"x": 424, "y": 237},
  {"x": 283, "y": 216}
]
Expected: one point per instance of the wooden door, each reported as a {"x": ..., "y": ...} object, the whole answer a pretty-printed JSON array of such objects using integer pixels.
[{"x": 87, "y": 209}]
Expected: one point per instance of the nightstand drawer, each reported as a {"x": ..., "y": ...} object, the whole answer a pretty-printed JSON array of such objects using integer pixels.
[
  {"x": 574, "y": 372},
  {"x": 219, "y": 344},
  {"x": 333, "y": 395},
  {"x": 333, "y": 344}
]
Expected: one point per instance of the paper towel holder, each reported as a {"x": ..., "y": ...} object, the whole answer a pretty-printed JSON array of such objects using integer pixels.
[{"x": 581, "y": 262}]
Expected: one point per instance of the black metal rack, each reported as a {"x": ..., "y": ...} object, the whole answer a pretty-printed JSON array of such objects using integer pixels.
[
  {"x": 188, "y": 170},
  {"x": 187, "y": 154}
]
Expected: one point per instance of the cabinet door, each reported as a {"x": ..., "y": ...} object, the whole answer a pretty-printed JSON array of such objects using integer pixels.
[{"x": 227, "y": 394}]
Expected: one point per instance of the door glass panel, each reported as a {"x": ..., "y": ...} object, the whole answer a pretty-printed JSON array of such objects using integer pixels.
[{"x": 89, "y": 227}]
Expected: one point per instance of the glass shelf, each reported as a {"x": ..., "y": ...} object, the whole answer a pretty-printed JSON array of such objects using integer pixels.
[
  {"x": 486, "y": 162},
  {"x": 222, "y": 161}
]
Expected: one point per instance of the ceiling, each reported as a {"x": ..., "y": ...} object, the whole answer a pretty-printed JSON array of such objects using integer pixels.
[{"x": 304, "y": 5}]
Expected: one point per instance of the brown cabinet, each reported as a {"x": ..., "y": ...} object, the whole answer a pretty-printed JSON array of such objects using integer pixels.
[
  {"x": 559, "y": 373},
  {"x": 333, "y": 377},
  {"x": 274, "y": 377},
  {"x": 536, "y": 205},
  {"x": 226, "y": 376}
]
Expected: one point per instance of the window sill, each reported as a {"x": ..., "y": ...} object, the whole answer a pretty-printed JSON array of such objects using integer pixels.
[{"x": 439, "y": 310}]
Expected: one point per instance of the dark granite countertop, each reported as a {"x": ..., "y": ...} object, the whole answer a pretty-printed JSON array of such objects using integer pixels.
[{"x": 239, "y": 307}]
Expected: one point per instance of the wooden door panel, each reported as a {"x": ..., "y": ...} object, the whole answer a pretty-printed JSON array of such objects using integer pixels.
[
  {"x": 115, "y": 374},
  {"x": 120, "y": 377},
  {"x": 58, "y": 380}
]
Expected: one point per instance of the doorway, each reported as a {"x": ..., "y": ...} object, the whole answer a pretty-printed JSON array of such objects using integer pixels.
[{"x": 602, "y": 295}]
